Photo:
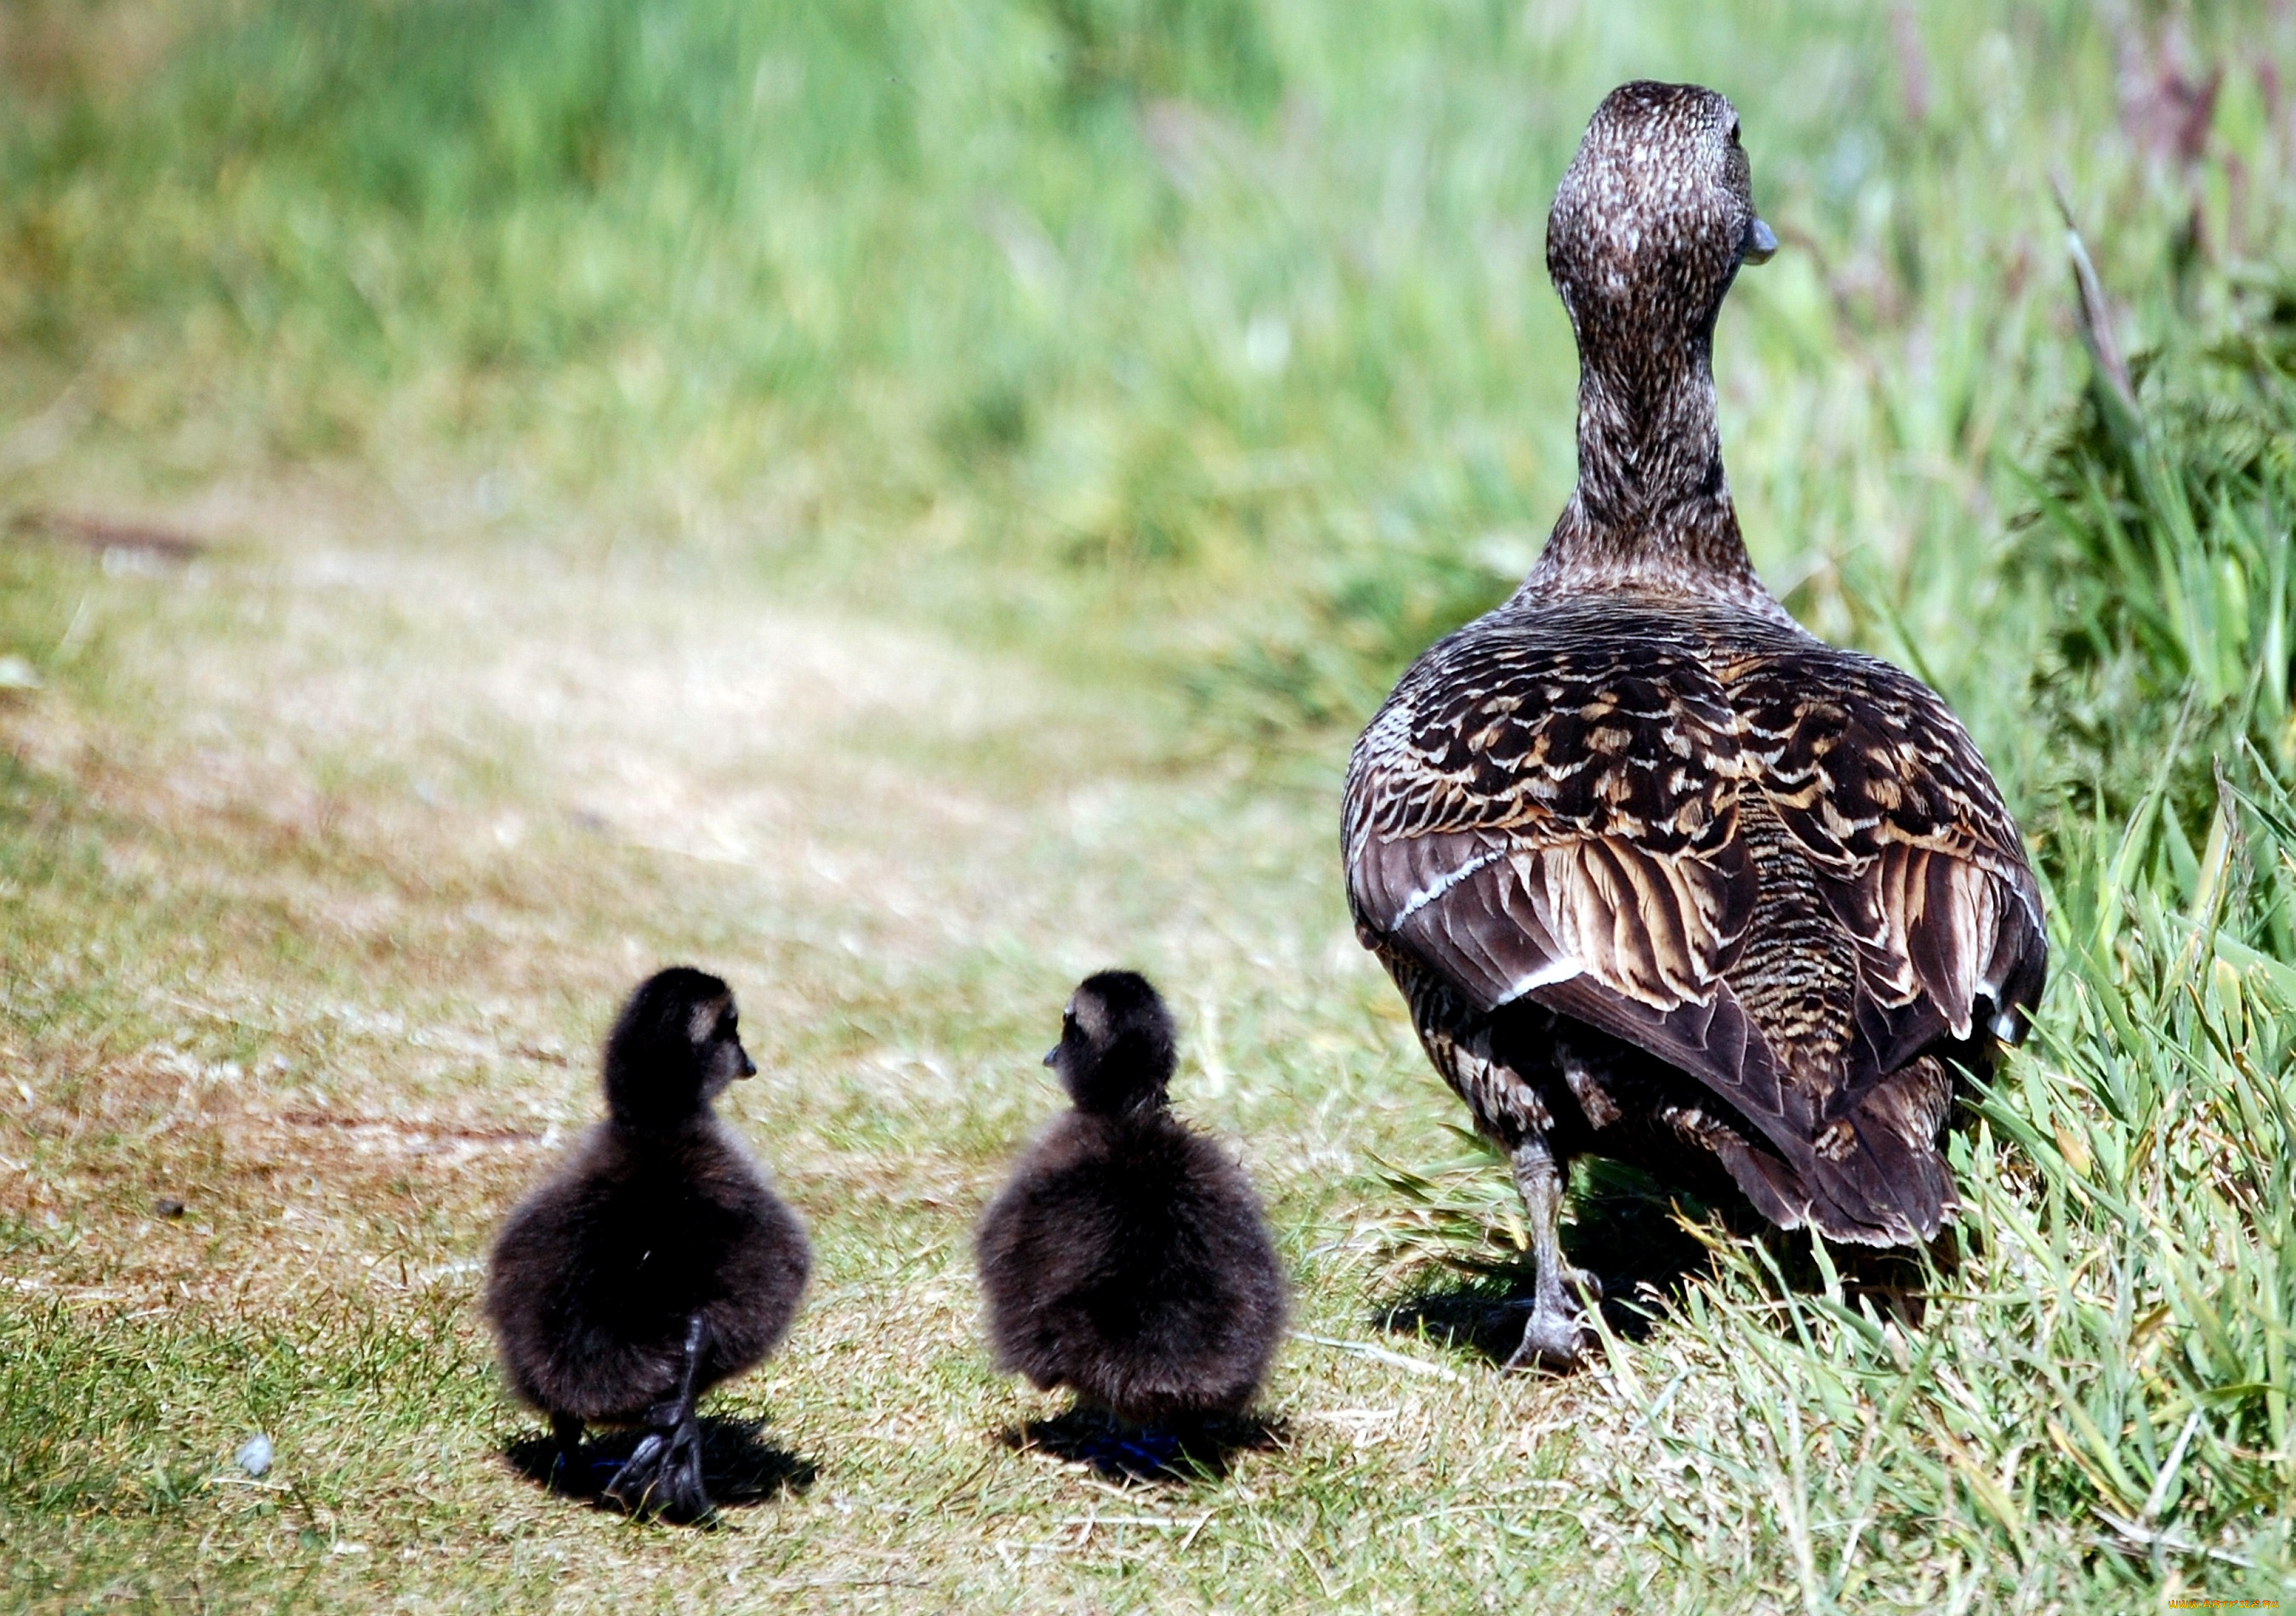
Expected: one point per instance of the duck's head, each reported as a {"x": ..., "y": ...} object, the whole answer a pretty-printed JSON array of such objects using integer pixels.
[
  {"x": 1116, "y": 1049},
  {"x": 675, "y": 1047},
  {"x": 1653, "y": 217}
]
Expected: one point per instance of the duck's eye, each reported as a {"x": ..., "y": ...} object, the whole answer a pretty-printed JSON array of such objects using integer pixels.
[{"x": 1734, "y": 131}]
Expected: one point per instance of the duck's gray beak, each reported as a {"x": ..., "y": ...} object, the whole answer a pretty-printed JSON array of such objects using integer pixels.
[
  {"x": 1052, "y": 1055},
  {"x": 1760, "y": 241}
]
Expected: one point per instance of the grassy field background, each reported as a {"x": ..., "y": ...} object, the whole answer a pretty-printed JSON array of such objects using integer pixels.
[{"x": 905, "y": 505}]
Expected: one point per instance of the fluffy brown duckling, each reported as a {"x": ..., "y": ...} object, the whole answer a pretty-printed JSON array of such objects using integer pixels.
[
  {"x": 657, "y": 1261},
  {"x": 1127, "y": 1257}
]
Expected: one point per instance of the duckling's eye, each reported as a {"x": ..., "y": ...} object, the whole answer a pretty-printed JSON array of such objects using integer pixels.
[{"x": 1734, "y": 131}]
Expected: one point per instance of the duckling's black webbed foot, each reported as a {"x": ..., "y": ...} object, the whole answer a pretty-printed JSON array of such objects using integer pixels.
[
  {"x": 1124, "y": 1452},
  {"x": 1120, "y": 1449},
  {"x": 663, "y": 1474}
]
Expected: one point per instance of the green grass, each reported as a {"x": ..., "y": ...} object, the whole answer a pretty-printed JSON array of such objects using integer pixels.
[{"x": 907, "y": 506}]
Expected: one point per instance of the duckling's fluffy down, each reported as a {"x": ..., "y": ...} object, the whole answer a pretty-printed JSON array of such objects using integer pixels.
[
  {"x": 595, "y": 1274},
  {"x": 1127, "y": 1259}
]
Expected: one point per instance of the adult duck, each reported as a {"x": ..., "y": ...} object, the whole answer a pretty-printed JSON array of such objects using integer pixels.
[{"x": 1663, "y": 877}]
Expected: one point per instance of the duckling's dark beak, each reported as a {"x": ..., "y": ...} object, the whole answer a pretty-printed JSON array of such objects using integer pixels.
[
  {"x": 748, "y": 1066},
  {"x": 1761, "y": 242},
  {"x": 1052, "y": 1055}
]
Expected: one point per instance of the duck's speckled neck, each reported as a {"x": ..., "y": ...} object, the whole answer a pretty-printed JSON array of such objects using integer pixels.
[
  {"x": 1649, "y": 227},
  {"x": 1651, "y": 509}
]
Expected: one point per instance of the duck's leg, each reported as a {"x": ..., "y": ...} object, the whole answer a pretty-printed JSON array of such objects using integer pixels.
[
  {"x": 663, "y": 1476},
  {"x": 1555, "y": 1334},
  {"x": 1511, "y": 1109}
]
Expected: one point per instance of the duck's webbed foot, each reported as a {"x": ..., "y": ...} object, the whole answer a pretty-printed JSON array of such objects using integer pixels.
[
  {"x": 663, "y": 1474},
  {"x": 1558, "y": 1333},
  {"x": 1552, "y": 1339}
]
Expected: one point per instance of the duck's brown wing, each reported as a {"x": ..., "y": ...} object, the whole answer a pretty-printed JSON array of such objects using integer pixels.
[
  {"x": 1883, "y": 792},
  {"x": 1550, "y": 811},
  {"x": 1545, "y": 815}
]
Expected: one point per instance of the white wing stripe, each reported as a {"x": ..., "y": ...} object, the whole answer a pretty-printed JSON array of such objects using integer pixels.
[
  {"x": 1441, "y": 884},
  {"x": 1555, "y": 971}
]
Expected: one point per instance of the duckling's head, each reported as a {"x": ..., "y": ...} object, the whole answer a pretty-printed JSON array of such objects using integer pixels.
[
  {"x": 675, "y": 1047},
  {"x": 1116, "y": 1049},
  {"x": 1652, "y": 219}
]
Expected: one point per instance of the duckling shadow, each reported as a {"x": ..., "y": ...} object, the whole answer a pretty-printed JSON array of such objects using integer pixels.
[
  {"x": 739, "y": 1468},
  {"x": 1201, "y": 1451}
]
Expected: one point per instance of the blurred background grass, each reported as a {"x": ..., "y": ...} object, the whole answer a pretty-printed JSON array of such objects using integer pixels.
[
  {"x": 1224, "y": 326},
  {"x": 1201, "y": 353}
]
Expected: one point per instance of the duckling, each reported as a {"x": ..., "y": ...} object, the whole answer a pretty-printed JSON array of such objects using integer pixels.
[
  {"x": 658, "y": 1261},
  {"x": 1662, "y": 877},
  {"x": 1127, "y": 1257}
]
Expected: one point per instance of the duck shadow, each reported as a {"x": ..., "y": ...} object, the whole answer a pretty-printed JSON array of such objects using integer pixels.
[
  {"x": 1171, "y": 1455},
  {"x": 739, "y": 1468},
  {"x": 1632, "y": 1236}
]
